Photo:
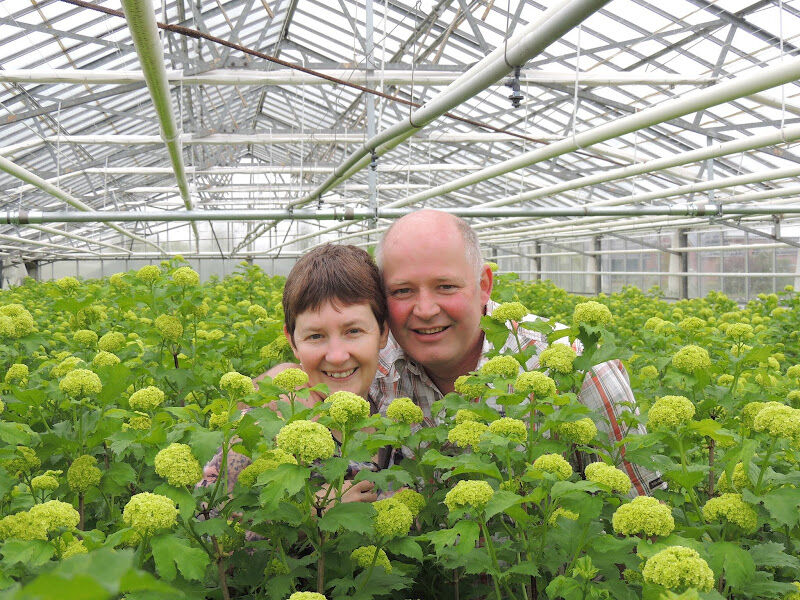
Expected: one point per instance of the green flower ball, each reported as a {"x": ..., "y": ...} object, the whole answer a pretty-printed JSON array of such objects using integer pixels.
[
  {"x": 691, "y": 359},
  {"x": 670, "y": 411},
  {"x": 169, "y": 327},
  {"x": 591, "y": 313},
  {"x": 469, "y": 494},
  {"x": 113, "y": 341},
  {"x": 503, "y": 366},
  {"x": 363, "y": 558},
  {"x": 580, "y": 432},
  {"x": 678, "y": 567},
  {"x": 236, "y": 384},
  {"x": 607, "y": 475},
  {"x": 306, "y": 440},
  {"x": 83, "y": 474},
  {"x": 146, "y": 399},
  {"x": 403, "y": 410},
  {"x": 558, "y": 357},
  {"x": 467, "y": 434},
  {"x": 148, "y": 513},
  {"x": 414, "y": 501},
  {"x": 178, "y": 466},
  {"x": 643, "y": 515},
  {"x": 392, "y": 518},
  {"x": 536, "y": 383},
  {"x": 554, "y": 464},
  {"x": 55, "y": 514},
  {"x": 80, "y": 383},
  {"x": 513, "y": 429},
  {"x": 347, "y": 408},
  {"x": 185, "y": 276},
  {"x": 510, "y": 311},
  {"x": 732, "y": 508},
  {"x": 290, "y": 379}
]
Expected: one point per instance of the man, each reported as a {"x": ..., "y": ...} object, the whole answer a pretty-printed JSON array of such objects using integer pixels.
[{"x": 437, "y": 289}]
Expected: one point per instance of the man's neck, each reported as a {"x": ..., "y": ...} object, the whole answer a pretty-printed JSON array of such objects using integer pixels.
[{"x": 445, "y": 377}]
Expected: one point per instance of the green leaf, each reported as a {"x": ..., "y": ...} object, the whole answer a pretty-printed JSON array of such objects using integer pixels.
[
  {"x": 497, "y": 333},
  {"x": 32, "y": 553},
  {"x": 170, "y": 551},
  {"x": 15, "y": 434},
  {"x": 501, "y": 500},
  {"x": 286, "y": 480},
  {"x": 735, "y": 562},
  {"x": 782, "y": 505},
  {"x": 566, "y": 588},
  {"x": 772, "y": 555},
  {"x": 181, "y": 497},
  {"x": 464, "y": 534},
  {"x": 405, "y": 546},
  {"x": 350, "y": 516},
  {"x": 712, "y": 429}
]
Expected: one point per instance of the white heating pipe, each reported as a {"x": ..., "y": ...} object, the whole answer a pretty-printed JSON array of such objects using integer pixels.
[
  {"x": 528, "y": 42},
  {"x": 75, "y": 236},
  {"x": 26, "y": 241},
  {"x": 359, "y": 76},
  {"x": 218, "y": 139},
  {"x": 788, "y": 134},
  {"x": 141, "y": 19},
  {"x": 725, "y": 91},
  {"x": 264, "y": 187},
  {"x": 33, "y": 179}
]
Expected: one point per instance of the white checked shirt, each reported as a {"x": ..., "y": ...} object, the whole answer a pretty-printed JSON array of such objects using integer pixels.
[{"x": 605, "y": 391}]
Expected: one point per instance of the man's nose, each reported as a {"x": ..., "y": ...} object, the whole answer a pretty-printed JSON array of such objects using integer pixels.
[{"x": 426, "y": 306}]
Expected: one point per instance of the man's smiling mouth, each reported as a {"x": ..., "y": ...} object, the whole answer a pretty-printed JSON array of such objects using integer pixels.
[{"x": 431, "y": 330}]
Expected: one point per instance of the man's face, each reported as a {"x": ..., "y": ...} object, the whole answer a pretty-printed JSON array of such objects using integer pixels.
[{"x": 435, "y": 299}]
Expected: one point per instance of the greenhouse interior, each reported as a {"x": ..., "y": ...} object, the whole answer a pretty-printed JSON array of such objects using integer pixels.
[{"x": 244, "y": 350}]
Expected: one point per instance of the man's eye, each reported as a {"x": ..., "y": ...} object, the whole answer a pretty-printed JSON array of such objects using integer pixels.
[
  {"x": 448, "y": 287},
  {"x": 314, "y": 336},
  {"x": 401, "y": 292}
]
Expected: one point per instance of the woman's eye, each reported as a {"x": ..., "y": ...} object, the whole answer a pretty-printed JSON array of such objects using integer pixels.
[
  {"x": 314, "y": 336},
  {"x": 354, "y": 330},
  {"x": 401, "y": 291}
]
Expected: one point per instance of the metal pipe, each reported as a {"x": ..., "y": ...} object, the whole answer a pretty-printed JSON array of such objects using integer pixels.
[
  {"x": 321, "y": 137},
  {"x": 516, "y": 51},
  {"x": 660, "y": 273},
  {"x": 141, "y": 19},
  {"x": 351, "y": 214},
  {"x": 14, "y": 238},
  {"x": 677, "y": 107},
  {"x": 388, "y": 76},
  {"x": 788, "y": 134},
  {"x": 75, "y": 236},
  {"x": 264, "y": 187},
  {"x": 36, "y": 181}
]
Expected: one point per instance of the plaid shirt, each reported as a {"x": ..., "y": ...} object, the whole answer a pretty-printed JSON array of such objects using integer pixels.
[{"x": 605, "y": 390}]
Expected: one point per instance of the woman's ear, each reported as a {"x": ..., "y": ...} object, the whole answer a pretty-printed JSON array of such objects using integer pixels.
[{"x": 290, "y": 339}]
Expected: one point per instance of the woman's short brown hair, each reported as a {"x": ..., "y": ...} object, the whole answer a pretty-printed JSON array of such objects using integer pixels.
[{"x": 335, "y": 273}]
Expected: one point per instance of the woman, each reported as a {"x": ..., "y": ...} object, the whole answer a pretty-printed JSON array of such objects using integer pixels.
[{"x": 335, "y": 321}]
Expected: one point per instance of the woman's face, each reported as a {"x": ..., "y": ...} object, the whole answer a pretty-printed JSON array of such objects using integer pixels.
[{"x": 338, "y": 345}]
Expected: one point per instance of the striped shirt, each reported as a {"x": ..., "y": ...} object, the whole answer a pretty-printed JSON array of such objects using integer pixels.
[{"x": 606, "y": 391}]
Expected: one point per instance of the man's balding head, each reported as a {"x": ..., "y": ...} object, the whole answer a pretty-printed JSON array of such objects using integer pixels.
[{"x": 427, "y": 222}]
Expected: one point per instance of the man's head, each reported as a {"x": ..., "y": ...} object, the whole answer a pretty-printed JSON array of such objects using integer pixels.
[{"x": 437, "y": 287}]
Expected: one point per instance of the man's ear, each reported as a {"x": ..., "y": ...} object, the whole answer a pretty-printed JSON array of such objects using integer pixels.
[
  {"x": 384, "y": 334},
  {"x": 290, "y": 340},
  {"x": 486, "y": 281}
]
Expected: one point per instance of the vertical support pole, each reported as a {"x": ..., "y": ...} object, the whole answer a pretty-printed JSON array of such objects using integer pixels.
[
  {"x": 2, "y": 280},
  {"x": 592, "y": 283},
  {"x": 776, "y": 232},
  {"x": 677, "y": 285},
  {"x": 372, "y": 173},
  {"x": 537, "y": 262}
]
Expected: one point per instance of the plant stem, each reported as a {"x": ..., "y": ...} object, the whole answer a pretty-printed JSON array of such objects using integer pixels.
[
  {"x": 711, "y": 446},
  {"x": 223, "y": 578},
  {"x": 492, "y": 556},
  {"x": 371, "y": 567},
  {"x": 321, "y": 567},
  {"x": 80, "y": 510},
  {"x": 764, "y": 466}
]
